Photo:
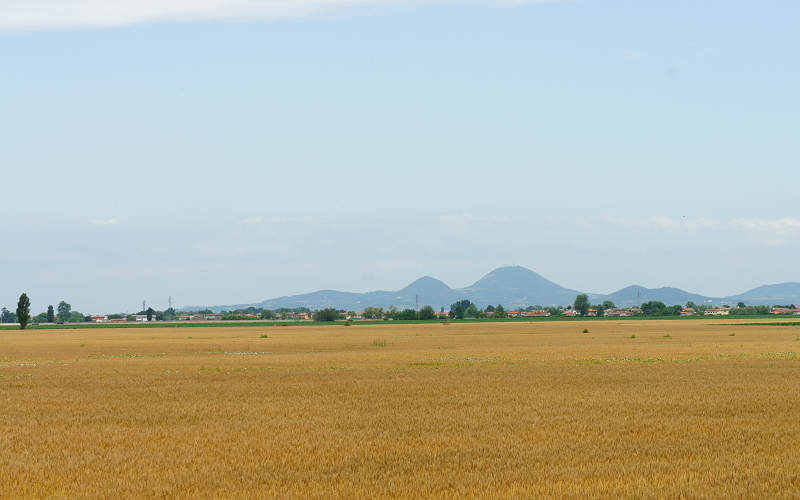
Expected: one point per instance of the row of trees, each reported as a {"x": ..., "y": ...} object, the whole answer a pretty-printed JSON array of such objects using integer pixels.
[
  {"x": 22, "y": 314},
  {"x": 64, "y": 313},
  {"x": 658, "y": 308}
]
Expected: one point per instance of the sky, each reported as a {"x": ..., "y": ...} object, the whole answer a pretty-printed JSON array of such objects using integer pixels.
[{"x": 230, "y": 151}]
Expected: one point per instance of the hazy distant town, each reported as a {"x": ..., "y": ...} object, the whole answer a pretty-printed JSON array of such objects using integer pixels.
[{"x": 463, "y": 309}]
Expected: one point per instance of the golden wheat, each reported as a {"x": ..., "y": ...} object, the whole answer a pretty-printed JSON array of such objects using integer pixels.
[{"x": 684, "y": 409}]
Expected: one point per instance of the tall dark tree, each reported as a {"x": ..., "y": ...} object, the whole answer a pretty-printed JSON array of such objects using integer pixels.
[
  {"x": 23, "y": 311},
  {"x": 64, "y": 311},
  {"x": 150, "y": 313},
  {"x": 51, "y": 315},
  {"x": 499, "y": 311},
  {"x": 427, "y": 312},
  {"x": 581, "y": 304}
]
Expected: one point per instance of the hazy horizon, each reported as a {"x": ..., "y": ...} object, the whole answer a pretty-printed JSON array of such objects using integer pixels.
[{"x": 230, "y": 152}]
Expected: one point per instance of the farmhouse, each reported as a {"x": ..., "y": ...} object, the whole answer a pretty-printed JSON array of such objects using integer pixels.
[
  {"x": 142, "y": 318},
  {"x": 718, "y": 311},
  {"x": 620, "y": 313},
  {"x": 570, "y": 312},
  {"x": 100, "y": 319},
  {"x": 539, "y": 313},
  {"x": 687, "y": 311},
  {"x": 212, "y": 316}
]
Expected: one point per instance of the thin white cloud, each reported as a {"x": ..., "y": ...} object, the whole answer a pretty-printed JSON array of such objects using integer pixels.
[
  {"x": 767, "y": 231},
  {"x": 252, "y": 220},
  {"x": 661, "y": 221},
  {"x": 783, "y": 225},
  {"x": 44, "y": 14},
  {"x": 632, "y": 54},
  {"x": 104, "y": 222}
]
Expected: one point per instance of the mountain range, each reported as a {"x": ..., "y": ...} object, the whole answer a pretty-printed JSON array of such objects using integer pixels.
[{"x": 513, "y": 287}]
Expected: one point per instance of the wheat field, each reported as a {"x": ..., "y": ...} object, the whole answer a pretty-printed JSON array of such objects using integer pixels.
[{"x": 682, "y": 408}]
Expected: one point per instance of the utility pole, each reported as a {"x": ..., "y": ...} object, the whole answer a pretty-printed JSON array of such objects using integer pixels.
[
  {"x": 170, "y": 301},
  {"x": 416, "y": 299},
  {"x": 144, "y": 305}
]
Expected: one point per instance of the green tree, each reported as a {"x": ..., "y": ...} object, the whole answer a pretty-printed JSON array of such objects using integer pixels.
[
  {"x": 150, "y": 312},
  {"x": 407, "y": 314},
  {"x": 654, "y": 308},
  {"x": 581, "y": 304},
  {"x": 472, "y": 311},
  {"x": 170, "y": 314},
  {"x": 7, "y": 316},
  {"x": 608, "y": 304},
  {"x": 490, "y": 308},
  {"x": 427, "y": 313},
  {"x": 327, "y": 314},
  {"x": 51, "y": 315},
  {"x": 267, "y": 314},
  {"x": 372, "y": 313},
  {"x": 23, "y": 311},
  {"x": 673, "y": 310},
  {"x": 499, "y": 311},
  {"x": 64, "y": 310},
  {"x": 390, "y": 313},
  {"x": 741, "y": 304}
]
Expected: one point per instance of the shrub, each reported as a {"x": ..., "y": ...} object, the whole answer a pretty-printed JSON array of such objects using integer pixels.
[
  {"x": 264, "y": 336},
  {"x": 585, "y": 330},
  {"x": 732, "y": 334},
  {"x": 379, "y": 343},
  {"x": 633, "y": 336},
  {"x": 446, "y": 320},
  {"x": 347, "y": 322}
]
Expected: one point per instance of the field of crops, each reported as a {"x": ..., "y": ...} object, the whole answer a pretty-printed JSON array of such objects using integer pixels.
[{"x": 703, "y": 408}]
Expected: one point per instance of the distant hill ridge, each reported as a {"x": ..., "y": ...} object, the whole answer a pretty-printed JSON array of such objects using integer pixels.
[{"x": 513, "y": 286}]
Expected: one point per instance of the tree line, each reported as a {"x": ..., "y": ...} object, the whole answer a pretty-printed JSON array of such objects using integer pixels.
[{"x": 461, "y": 309}]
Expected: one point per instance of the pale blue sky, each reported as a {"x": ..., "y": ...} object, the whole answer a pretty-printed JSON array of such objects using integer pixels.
[{"x": 241, "y": 151}]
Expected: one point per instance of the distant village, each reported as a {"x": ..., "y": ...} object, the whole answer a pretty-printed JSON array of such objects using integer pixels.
[{"x": 460, "y": 310}]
